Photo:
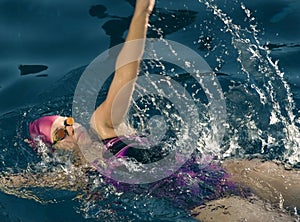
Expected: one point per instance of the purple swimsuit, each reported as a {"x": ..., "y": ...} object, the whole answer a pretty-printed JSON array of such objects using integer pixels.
[
  {"x": 190, "y": 186},
  {"x": 135, "y": 147}
]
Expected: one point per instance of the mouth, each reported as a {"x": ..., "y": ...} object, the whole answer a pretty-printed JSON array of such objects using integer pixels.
[
  {"x": 78, "y": 136},
  {"x": 79, "y": 133}
]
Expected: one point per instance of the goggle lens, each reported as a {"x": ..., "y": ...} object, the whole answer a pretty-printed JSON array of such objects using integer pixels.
[{"x": 61, "y": 133}]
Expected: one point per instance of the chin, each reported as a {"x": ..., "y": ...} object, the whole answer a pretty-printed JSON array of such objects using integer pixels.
[
  {"x": 81, "y": 135},
  {"x": 66, "y": 145}
]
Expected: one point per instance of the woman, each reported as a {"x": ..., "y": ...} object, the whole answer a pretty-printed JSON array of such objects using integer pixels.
[
  {"x": 63, "y": 133},
  {"x": 107, "y": 122}
]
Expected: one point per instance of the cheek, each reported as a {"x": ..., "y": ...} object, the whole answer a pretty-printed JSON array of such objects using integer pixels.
[
  {"x": 81, "y": 135},
  {"x": 68, "y": 143}
]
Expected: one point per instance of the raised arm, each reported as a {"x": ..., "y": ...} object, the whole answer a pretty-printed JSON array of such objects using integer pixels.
[{"x": 112, "y": 111}]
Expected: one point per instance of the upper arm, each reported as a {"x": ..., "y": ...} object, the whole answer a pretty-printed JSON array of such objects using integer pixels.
[{"x": 112, "y": 112}]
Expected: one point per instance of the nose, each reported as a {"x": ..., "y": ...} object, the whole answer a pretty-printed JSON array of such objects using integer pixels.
[{"x": 70, "y": 130}]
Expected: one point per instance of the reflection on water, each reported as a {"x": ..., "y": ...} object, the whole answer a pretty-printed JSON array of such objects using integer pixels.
[
  {"x": 292, "y": 7},
  {"x": 30, "y": 69},
  {"x": 164, "y": 22},
  {"x": 262, "y": 117}
]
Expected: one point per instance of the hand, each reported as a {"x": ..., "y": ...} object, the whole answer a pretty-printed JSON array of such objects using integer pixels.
[{"x": 144, "y": 6}]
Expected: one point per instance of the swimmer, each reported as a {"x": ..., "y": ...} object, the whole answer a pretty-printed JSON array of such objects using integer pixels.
[{"x": 266, "y": 180}]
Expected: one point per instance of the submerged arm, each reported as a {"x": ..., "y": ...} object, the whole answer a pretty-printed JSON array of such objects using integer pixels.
[
  {"x": 56, "y": 180},
  {"x": 112, "y": 111}
]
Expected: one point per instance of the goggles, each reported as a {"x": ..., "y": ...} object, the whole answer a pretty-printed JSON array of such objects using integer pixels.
[{"x": 61, "y": 133}]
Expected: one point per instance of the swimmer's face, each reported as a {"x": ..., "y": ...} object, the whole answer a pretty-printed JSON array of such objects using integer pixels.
[{"x": 63, "y": 134}]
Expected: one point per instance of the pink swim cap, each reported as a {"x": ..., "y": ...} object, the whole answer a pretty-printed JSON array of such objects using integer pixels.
[{"x": 42, "y": 128}]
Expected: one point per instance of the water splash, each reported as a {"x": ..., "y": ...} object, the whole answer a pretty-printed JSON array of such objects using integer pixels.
[{"x": 269, "y": 119}]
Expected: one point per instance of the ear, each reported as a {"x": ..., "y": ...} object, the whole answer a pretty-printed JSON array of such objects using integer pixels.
[{"x": 30, "y": 143}]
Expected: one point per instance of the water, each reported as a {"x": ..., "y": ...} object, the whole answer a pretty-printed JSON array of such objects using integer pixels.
[{"x": 253, "y": 46}]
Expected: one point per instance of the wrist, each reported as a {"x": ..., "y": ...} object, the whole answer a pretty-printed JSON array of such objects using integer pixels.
[
  {"x": 144, "y": 7},
  {"x": 142, "y": 13},
  {"x": 140, "y": 18}
]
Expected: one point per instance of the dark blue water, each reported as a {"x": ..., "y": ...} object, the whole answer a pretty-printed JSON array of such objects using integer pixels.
[{"x": 45, "y": 45}]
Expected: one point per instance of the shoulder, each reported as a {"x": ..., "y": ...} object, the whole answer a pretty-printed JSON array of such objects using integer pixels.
[{"x": 103, "y": 131}]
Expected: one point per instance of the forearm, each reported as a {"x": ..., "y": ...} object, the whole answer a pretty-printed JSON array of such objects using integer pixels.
[
  {"x": 138, "y": 25},
  {"x": 129, "y": 58},
  {"x": 53, "y": 180},
  {"x": 133, "y": 48}
]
